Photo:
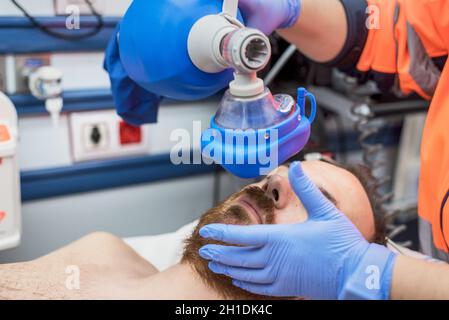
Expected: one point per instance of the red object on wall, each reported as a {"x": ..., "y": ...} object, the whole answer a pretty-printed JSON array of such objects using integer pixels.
[
  {"x": 130, "y": 134},
  {"x": 2, "y": 215}
]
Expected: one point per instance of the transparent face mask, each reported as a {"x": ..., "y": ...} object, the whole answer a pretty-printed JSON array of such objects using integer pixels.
[{"x": 261, "y": 112}]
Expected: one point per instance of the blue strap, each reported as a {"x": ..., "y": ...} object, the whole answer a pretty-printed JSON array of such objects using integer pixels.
[{"x": 134, "y": 104}]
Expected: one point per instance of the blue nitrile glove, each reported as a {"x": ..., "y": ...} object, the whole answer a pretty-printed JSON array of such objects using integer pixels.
[
  {"x": 134, "y": 104},
  {"x": 325, "y": 257},
  {"x": 270, "y": 15}
]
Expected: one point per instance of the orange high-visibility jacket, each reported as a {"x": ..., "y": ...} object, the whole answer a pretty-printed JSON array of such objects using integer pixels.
[{"x": 410, "y": 34}]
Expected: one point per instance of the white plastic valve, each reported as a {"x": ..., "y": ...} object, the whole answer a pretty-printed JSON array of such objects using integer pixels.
[
  {"x": 219, "y": 42},
  {"x": 230, "y": 8},
  {"x": 46, "y": 84},
  {"x": 54, "y": 107}
]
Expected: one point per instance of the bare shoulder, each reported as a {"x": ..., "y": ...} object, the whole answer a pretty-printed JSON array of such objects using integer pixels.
[
  {"x": 103, "y": 249},
  {"x": 32, "y": 280},
  {"x": 101, "y": 260}
]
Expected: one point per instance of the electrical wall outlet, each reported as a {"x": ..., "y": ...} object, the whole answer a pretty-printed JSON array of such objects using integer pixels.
[
  {"x": 61, "y": 6},
  {"x": 95, "y": 136},
  {"x": 99, "y": 135}
]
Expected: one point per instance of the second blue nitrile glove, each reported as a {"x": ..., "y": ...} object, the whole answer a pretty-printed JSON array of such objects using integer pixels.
[
  {"x": 269, "y": 15},
  {"x": 325, "y": 257}
]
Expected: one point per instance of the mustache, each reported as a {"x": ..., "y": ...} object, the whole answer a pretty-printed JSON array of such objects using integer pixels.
[{"x": 263, "y": 202}]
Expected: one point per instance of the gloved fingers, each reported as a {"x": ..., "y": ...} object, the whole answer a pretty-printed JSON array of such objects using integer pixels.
[
  {"x": 253, "y": 14},
  {"x": 247, "y": 8},
  {"x": 254, "y": 236},
  {"x": 251, "y": 22},
  {"x": 243, "y": 257},
  {"x": 246, "y": 5},
  {"x": 316, "y": 204},
  {"x": 256, "y": 288},
  {"x": 255, "y": 276}
]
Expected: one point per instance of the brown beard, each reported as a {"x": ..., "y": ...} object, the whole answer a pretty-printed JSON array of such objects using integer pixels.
[{"x": 227, "y": 213}]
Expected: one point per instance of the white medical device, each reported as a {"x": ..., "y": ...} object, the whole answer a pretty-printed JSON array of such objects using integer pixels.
[
  {"x": 46, "y": 84},
  {"x": 10, "y": 209}
]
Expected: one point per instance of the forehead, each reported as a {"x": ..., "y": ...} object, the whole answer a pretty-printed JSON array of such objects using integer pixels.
[{"x": 323, "y": 174}]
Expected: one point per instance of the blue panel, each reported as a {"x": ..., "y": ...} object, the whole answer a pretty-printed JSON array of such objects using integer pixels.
[
  {"x": 80, "y": 100},
  {"x": 18, "y": 35},
  {"x": 93, "y": 176}
]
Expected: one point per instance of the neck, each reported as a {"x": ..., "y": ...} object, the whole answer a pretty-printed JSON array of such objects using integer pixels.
[{"x": 179, "y": 282}]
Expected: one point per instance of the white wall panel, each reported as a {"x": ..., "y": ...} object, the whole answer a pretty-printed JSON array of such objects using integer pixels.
[
  {"x": 41, "y": 145},
  {"x": 81, "y": 70}
]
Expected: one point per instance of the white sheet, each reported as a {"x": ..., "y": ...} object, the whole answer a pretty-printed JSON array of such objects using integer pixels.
[{"x": 163, "y": 250}]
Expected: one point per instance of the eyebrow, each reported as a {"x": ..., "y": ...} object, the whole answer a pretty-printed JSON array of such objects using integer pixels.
[
  {"x": 323, "y": 191},
  {"x": 328, "y": 196}
]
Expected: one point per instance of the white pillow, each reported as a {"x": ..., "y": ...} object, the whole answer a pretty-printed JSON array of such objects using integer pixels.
[{"x": 162, "y": 251}]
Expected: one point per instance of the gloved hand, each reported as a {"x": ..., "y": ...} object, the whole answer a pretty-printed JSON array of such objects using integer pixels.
[
  {"x": 134, "y": 104},
  {"x": 325, "y": 257},
  {"x": 270, "y": 15}
]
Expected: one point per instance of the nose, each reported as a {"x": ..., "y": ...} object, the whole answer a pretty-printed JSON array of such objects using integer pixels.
[{"x": 277, "y": 190}]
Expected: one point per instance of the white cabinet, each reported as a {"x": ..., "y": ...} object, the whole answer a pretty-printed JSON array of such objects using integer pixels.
[{"x": 10, "y": 208}]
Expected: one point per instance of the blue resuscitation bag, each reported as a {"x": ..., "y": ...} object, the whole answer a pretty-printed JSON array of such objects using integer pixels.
[{"x": 148, "y": 59}]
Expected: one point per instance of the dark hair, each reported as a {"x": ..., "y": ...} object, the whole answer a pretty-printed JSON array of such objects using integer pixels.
[{"x": 370, "y": 183}]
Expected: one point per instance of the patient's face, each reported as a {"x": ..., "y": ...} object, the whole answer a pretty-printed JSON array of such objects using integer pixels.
[
  {"x": 338, "y": 185},
  {"x": 272, "y": 201}
]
